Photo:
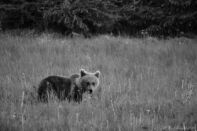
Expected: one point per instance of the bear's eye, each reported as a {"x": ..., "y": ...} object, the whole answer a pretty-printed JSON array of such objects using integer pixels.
[
  {"x": 93, "y": 84},
  {"x": 88, "y": 83}
]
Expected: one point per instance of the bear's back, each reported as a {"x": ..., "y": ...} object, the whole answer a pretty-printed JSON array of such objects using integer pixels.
[{"x": 59, "y": 85}]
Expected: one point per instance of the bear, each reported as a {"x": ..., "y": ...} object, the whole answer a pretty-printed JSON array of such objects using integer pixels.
[{"x": 71, "y": 88}]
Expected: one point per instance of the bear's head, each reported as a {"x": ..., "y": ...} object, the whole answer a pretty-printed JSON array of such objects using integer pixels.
[{"x": 88, "y": 82}]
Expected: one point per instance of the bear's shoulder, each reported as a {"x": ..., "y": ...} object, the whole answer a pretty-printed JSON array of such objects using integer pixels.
[{"x": 74, "y": 76}]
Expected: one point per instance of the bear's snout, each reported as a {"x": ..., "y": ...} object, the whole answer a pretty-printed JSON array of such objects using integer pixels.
[{"x": 90, "y": 91}]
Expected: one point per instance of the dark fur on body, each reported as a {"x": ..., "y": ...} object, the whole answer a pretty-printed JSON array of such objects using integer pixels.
[{"x": 62, "y": 87}]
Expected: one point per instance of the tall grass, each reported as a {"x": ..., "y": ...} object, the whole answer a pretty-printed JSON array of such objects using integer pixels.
[{"x": 147, "y": 84}]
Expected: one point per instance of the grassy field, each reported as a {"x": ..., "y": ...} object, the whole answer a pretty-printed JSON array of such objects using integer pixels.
[{"x": 146, "y": 84}]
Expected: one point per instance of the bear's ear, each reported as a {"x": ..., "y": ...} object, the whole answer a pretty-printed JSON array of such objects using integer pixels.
[
  {"x": 97, "y": 74},
  {"x": 83, "y": 72}
]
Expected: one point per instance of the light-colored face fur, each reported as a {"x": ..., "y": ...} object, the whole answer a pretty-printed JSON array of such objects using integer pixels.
[{"x": 88, "y": 81}]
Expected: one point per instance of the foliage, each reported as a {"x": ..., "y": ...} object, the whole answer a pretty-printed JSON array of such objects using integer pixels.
[{"x": 155, "y": 17}]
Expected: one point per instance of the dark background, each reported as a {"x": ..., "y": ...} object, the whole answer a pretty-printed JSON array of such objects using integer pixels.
[{"x": 93, "y": 17}]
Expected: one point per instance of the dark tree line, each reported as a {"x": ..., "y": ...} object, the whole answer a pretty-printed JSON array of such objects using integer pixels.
[{"x": 92, "y": 17}]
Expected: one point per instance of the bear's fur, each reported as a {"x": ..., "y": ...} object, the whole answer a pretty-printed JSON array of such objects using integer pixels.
[{"x": 71, "y": 88}]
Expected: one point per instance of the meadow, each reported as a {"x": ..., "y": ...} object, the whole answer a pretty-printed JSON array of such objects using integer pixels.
[{"x": 147, "y": 84}]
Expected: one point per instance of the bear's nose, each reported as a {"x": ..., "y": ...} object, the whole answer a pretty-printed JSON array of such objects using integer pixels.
[{"x": 90, "y": 91}]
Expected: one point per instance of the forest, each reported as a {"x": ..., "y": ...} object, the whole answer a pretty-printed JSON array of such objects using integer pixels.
[{"x": 94, "y": 17}]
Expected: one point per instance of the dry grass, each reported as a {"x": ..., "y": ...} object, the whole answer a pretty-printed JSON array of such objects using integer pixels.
[{"x": 147, "y": 84}]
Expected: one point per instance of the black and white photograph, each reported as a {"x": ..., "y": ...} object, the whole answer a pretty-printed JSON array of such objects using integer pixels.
[{"x": 98, "y": 65}]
